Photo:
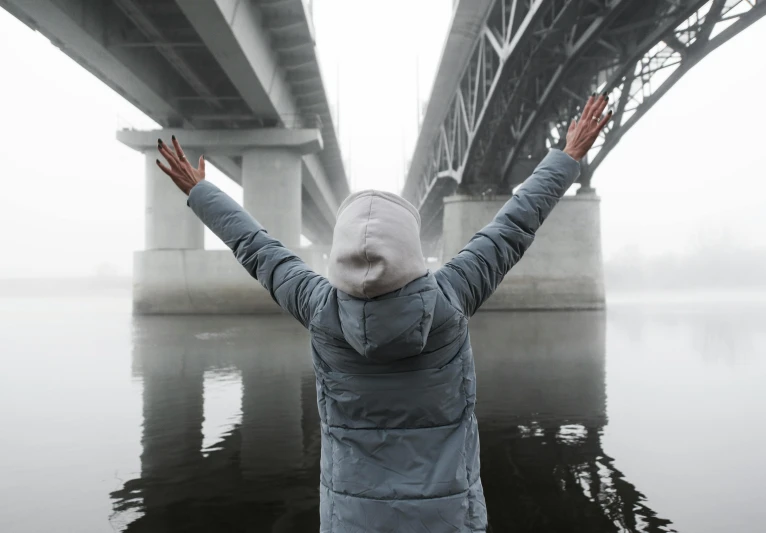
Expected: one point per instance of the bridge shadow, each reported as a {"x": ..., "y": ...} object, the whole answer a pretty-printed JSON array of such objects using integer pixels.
[{"x": 542, "y": 408}]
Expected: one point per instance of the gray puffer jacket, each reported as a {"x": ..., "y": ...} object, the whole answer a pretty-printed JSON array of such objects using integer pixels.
[{"x": 395, "y": 379}]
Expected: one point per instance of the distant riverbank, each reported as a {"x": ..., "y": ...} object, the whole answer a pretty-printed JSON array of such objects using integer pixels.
[
  {"x": 624, "y": 291},
  {"x": 715, "y": 267},
  {"x": 90, "y": 286},
  {"x": 754, "y": 295}
]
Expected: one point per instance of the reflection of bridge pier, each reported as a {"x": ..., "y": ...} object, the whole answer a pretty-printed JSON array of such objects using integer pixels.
[
  {"x": 272, "y": 436},
  {"x": 542, "y": 411},
  {"x": 265, "y": 470},
  {"x": 172, "y": 373},
  {"x": 173, "y": 415}
]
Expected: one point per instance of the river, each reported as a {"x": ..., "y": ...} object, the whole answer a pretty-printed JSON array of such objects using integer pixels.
[{"x": 648, "y": 417}]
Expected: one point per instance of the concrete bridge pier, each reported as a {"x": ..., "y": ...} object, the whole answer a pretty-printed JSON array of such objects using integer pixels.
[
  {"x": 169, "y": 223},
  {"x": 563, "y": 268},
  {"x": 175, "y": 274},
  {"x": 271, "y": 187},
  {"x": 317, "y": 257}
]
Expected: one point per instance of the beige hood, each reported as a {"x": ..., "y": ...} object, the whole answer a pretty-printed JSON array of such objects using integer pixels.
[{"x": 376, "y": 245}]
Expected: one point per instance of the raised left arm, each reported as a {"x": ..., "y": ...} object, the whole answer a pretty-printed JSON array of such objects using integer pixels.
[{"x": 290, "y": 282}]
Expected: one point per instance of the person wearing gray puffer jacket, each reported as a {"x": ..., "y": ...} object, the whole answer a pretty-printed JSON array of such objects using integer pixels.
[{"x": 395, "y": 380}]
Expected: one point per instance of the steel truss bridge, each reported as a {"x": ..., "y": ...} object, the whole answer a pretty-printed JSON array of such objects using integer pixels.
[{"x": 514, "y": 72}]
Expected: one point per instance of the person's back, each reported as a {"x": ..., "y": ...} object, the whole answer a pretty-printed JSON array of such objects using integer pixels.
[
  {"x": 396, "y": 394},
  {"x": 396, "y": 386},
  {"x": 395, "y": 381}
]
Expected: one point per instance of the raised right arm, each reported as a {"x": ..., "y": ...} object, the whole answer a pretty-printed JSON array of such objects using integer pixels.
[
  {"x": 478, "y": 269},
  {"x": 290, "y": 282},
  {"x": 481, "y": 265}
]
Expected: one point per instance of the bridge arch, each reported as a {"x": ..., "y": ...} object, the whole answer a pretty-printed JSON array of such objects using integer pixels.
[{"x": 514, "y": 72}]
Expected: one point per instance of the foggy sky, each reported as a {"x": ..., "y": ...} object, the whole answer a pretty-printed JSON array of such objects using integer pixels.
[{"x": 691, "y": 171}]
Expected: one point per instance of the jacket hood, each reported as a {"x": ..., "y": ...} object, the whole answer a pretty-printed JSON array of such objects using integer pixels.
[
  {"x": 376, "y": 245},
  {"x": 392, "y": 327}
]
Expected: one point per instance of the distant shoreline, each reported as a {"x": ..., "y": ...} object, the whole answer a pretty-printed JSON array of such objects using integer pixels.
[
  {"x": 123, "y": 286},
  {"x": 71, "y": 286},
  {"x": 723, "y": 295}
]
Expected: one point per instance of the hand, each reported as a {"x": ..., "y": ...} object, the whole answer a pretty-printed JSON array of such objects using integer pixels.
[
  {"x": 183, "y": 174},
  {"x": 583, "y": 133}
]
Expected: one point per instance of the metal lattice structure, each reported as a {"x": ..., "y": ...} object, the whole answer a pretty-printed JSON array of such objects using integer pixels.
[{"x": 533, "y": 64}]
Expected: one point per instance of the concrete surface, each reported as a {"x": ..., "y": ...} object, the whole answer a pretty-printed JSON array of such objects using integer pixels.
[
  {"x": 241, "y": 40},
  {"x": 227, "y": 142},
  {"x": 563, "y": 268},
  {"x": 319, "y": 217},
  {"x": 271, "y": 187},
  {"x": 202, "y": 282},
  {"x": 170, "y": 224}
]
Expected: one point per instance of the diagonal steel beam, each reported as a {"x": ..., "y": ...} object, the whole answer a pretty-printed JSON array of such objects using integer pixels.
[
  {"x": 460, "y": 45},
  {"x": 590, "y": 36},
  {"x": 666, "y": 27},
  {"x": 712, "y": 16},
  {"x": 695, "y": 55},
  {"x": 672, "y": 41}
]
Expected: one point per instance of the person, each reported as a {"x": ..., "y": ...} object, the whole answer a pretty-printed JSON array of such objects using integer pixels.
[{"x": 395, "y": 380}]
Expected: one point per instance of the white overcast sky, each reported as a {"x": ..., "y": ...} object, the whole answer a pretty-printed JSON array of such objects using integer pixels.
[{"x": 692, "y": 171}]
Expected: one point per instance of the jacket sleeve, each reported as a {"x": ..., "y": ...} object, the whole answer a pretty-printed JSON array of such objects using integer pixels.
[
  {"x": 291, "y": 283},
  {"x": 478, "y": 269}
]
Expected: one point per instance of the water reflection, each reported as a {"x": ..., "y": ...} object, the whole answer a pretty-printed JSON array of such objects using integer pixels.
[
  {"x": 728, "y": 333},
  {"x": 542, "y": 408},
  {"x": 542, "y": 411},
  {"x": 263, "y": 473}
]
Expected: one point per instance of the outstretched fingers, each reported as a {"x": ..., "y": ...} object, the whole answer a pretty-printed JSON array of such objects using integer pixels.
[
  {"x": 604, "y": 121},
  {"x": 586, "y": 111},
  {"x": 165, "y": 169},
  {"x": 179, "y": 151},
  {"x": 592, "y": 112},
  {"x": 168, "y": 155},
  {"x": 601, "y": 104}
]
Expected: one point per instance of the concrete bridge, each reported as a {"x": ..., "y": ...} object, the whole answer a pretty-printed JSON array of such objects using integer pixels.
[
  {"x": 236, "y": 80},
  {"x": 512, "y": 75},
  {"x": 239, "y": 81}
]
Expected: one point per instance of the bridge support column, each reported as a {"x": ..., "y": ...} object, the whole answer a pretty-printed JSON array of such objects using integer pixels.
[
  {"x": 175, "y": 274},
  {"x": 271, "y": 191},
  {"x": 562, "y": 269},
  {"x": 317, "y": 257},
  {"x": 170, "y": 224}
]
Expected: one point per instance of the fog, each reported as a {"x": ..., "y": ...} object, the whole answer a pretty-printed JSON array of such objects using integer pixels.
[
  {"x": 640, "y": 418},
  {"x": 686, "y": 184}
]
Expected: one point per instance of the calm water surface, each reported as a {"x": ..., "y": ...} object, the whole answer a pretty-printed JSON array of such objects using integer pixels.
[{"x": 647, "y": 418}]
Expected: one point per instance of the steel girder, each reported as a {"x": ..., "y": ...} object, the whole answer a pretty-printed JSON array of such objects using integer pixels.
[{"x": 535, "y": 61}]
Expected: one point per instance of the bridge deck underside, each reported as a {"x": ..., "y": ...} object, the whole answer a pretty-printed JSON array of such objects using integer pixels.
[
  {"x": 533, "y": 64},
  {"x": 150, "y": 52}
]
